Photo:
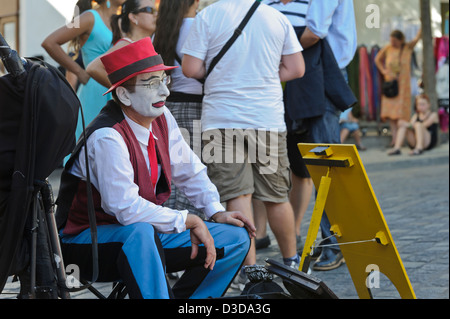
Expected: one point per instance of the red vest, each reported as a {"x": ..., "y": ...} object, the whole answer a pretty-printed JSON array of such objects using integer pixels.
[{"x": 78, "y": 220}]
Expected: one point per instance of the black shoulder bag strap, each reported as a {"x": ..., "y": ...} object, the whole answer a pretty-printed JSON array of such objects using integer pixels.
[{"x": 236, "y": 34}]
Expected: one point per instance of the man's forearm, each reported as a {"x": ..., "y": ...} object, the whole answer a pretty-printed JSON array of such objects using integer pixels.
[
  {"x": 193, "y": 67},
  {"x": 308, "y": 39}
]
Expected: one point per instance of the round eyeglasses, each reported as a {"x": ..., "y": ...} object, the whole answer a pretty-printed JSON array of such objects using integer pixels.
[{"x": 154, "y": 84}]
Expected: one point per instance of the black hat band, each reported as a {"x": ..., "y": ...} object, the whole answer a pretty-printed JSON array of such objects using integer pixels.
[{"x": 135, "y": 67}]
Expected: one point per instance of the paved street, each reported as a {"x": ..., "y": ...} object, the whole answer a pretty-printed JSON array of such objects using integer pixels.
[{"x": 413, "y": 193}]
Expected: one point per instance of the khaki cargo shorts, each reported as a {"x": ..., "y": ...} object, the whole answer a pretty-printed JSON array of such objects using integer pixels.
[{"x": 250, "y": 161}]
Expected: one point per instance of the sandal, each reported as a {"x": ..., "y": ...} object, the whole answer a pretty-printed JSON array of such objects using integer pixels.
[
  {"x": 361, "y": 148},
  {"x": 416, "y": 152},
  {"x": 394, "y": 152},
  {"x": 390, "y": 145}
]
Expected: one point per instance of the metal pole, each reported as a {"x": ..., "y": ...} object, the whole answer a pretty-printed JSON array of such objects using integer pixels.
[
  {"x": 11, "y": 59},
  {"x": 47, "y": 195},
  {"x": 34, "y": 227}
]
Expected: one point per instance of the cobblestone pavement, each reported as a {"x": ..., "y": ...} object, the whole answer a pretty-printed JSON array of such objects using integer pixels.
[{"x": 413, "y": 193}]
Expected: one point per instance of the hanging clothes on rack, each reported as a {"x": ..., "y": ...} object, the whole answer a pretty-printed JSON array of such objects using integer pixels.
[
  {"x": 366, "y": 84},
  {"x": 441, "y": 51},
  {"x": 376, "y": 84},
  {"x": 353, "y": 82}
]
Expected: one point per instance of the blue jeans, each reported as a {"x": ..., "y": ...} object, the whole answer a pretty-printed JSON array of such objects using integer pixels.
[
  {"x": 326, "y": 129},
  {"x": 137, "y": 254}
]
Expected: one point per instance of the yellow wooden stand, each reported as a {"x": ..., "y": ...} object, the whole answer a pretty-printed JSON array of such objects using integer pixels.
[{"x": 344, "y": 191}]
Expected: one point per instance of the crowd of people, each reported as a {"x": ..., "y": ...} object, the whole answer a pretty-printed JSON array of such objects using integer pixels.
[{"x": 163, "y": 102}]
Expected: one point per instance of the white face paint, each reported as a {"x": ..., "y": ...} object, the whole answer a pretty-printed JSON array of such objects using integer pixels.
[{"x": 150, "y": 94}]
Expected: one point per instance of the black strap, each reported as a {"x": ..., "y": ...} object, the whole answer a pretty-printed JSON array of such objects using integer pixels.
[
  {"x": 91, "y": 216},
  {"x": 236, "y": 34}
]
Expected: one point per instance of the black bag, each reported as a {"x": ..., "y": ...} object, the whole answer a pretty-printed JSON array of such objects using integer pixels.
[
  {"x": 39, "y": 113},
  {"x": 390, "y": 88}
]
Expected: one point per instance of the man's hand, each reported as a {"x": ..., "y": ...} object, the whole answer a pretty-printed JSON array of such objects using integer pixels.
[
  {"x": 236, "y": 219},
  {"x": 200, "y": 235}
]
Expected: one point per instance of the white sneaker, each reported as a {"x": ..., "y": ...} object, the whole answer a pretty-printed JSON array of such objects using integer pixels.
[{"x": 295, "y": 265}]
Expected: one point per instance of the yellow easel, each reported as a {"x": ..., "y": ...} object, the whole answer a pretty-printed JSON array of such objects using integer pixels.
[{"x": 345, "y": 193}]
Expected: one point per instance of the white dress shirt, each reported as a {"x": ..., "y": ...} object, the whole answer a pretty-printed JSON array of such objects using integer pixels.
[{"x": 113, "y": 176}]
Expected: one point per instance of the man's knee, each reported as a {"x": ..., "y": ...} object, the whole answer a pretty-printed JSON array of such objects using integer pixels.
[
  {"x": 241, "y": 240},
  {"x": 233, "y": 236},
  {"x": 141, "y": 231},
  {"x": 241, "y": 236}
]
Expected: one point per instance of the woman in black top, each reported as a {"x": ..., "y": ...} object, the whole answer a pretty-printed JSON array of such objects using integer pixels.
[{"x": 421, "y": 131}]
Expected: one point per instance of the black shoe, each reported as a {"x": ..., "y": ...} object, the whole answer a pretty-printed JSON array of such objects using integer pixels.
[
  {"x": 316, "y": 253},
  {"x": 361, "y": 147},
  {"x": 394, "y": 151},
  {"x": 328, "y": 260},
  {"x": 262, "y": 242}
]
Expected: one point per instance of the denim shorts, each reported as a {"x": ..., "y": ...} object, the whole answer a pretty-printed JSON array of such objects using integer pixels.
[{"x": 351, "y": 126}]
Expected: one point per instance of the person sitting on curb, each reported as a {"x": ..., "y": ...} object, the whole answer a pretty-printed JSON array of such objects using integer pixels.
[
  {"x": 350, "y": 127},
  {"x": 135, "y": 150},
  {"x": 421, "y": 131}
]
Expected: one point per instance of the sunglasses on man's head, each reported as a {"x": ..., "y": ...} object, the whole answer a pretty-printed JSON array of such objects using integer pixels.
[{"x": 145, "y": 10}]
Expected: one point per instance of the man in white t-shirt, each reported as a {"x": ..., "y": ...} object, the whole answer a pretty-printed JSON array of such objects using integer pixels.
[
  {"x": 302, "y": 184},
  {"x": 244, "y": 100}
]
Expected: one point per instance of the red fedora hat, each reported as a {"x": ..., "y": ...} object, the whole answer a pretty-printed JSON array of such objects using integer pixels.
[{"x": 135, "y": 58}]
